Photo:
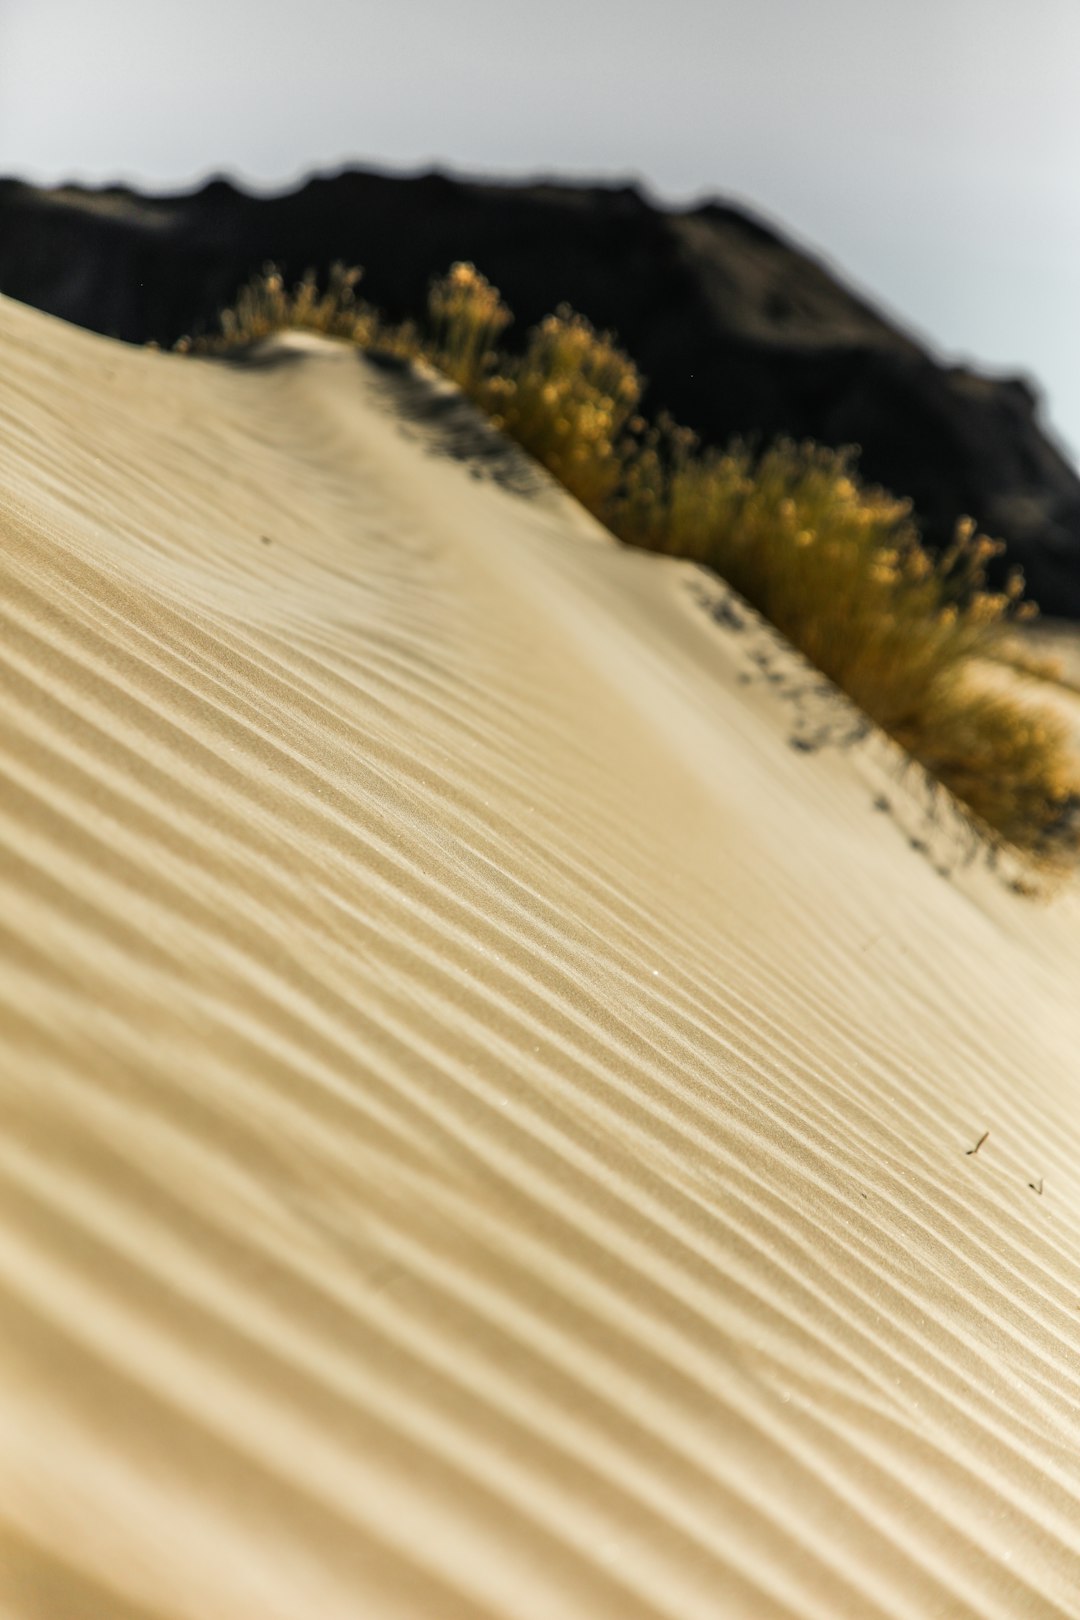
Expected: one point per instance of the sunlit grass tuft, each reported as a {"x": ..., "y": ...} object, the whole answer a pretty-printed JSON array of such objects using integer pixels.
[
  {"x": 837, "y": 565},
  {"x": 467, "y": 318},
  {"x": 265, "y": 306}
]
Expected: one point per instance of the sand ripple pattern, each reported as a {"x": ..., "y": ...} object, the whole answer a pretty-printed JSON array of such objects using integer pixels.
[{"x": 484, "y": 1120}]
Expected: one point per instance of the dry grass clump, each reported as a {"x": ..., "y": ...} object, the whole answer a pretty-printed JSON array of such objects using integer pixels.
[
  {"x": 837, "y": 565},
  {"x": 467, "y": 318},
  {"x": 570, "y": 401},
  {"x": 265, "y": 306},
  {"x": 1011, "y": 762}
]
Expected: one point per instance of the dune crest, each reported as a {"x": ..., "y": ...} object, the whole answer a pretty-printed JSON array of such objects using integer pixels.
[{"x": 485, "y": 1121}]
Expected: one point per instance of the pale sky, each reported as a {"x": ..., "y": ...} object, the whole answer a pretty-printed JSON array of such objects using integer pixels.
[{"x": 929, "y": 149}]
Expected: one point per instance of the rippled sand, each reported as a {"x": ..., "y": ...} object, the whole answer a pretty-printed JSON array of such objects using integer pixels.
[{"x": 484, "y": 1119}]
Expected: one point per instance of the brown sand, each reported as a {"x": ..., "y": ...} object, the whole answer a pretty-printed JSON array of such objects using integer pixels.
[{"x": 484, "y": 1118}]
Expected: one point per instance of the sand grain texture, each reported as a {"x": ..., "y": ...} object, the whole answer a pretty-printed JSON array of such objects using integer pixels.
[{"x": 484, "y": 1119}]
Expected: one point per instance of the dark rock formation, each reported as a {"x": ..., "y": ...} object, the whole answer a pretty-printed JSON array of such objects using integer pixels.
[{"x": 737, "y": 330}]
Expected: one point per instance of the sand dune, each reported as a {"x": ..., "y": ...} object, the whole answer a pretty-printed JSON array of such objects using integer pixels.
[{"x": 485, "y": 1118}]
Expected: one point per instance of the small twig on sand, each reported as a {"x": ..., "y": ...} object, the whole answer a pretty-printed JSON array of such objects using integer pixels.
[{"x": 978, "y": 1144}]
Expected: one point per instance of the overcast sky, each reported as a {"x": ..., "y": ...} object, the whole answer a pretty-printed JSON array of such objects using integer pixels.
[{"x": 930, "y": 149}]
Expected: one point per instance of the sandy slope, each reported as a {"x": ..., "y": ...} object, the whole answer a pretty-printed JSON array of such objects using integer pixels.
[{"x": 484, "y": 1119}]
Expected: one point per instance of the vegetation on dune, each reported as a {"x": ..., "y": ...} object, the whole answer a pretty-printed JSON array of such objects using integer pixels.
[
  {"x": 265, "y": 306},
  {"x": 837, "y": 565}
]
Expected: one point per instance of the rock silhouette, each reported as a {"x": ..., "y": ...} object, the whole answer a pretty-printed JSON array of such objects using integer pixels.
[{"x": 736, "y": 329}]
